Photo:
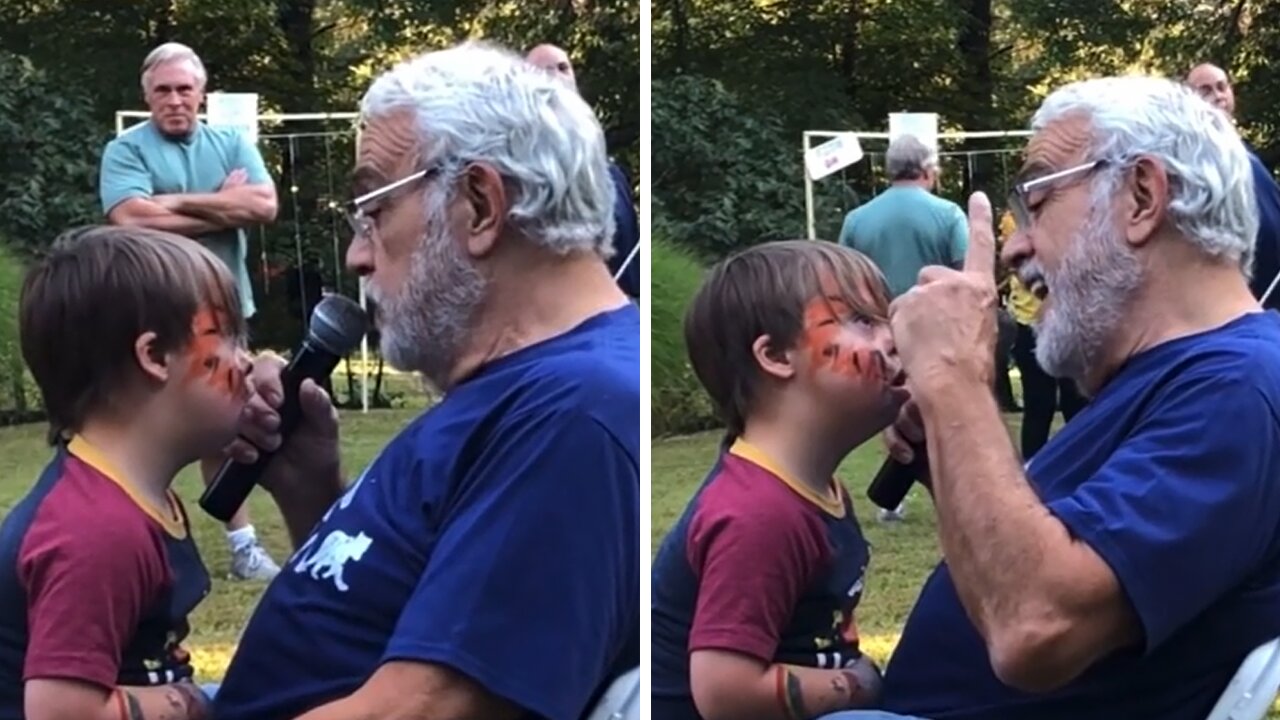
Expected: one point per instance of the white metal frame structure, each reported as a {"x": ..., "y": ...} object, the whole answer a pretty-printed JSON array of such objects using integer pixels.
[
  {"x": 123, "y": 126},
  {"x": 821, "y": 136}
]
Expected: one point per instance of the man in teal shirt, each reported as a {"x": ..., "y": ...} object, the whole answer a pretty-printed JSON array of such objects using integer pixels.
[
  {"x": 176, "y": 173},
  {"x": 907, "y": 227}
]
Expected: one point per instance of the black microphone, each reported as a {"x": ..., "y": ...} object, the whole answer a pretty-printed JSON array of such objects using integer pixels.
[
  {"x": 894, "y": 479},
  {"x": 337, "y": 324}
]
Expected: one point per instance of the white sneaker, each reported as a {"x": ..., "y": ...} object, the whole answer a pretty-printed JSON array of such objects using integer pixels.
[
  {"x": 896, "y": 515},
  {"x": 251, "y": 562}
]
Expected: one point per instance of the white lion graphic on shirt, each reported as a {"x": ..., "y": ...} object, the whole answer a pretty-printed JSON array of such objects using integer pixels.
[{"x": 337, "y": 550}]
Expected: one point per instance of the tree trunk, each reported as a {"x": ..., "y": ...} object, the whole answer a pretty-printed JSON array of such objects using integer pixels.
[
  {"x": 849, "y": 50},
  {"x": 974, "y": 45},
  {"x": 680, "y": 35},
  {"x": 299, "y": 93},
  {"x": 162, "y": 23}
]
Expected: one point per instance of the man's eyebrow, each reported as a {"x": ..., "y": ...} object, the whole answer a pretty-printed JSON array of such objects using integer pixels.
[
  {"x": 366, "y": 178},
  {"x": 1032, "y": 170}
]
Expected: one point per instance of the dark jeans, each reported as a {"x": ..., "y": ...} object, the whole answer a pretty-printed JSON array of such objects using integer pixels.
[
  {"x": 1004, "y": 346},
  {"x": 1042, "y": 395}
]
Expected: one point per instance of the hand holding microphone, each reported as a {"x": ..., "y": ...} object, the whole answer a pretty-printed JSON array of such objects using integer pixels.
[
  {"x": 288, "y": 401},
  {"x": 906, "y": 464}
]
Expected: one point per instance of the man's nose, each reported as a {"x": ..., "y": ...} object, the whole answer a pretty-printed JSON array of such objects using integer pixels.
[
  {"x": 360, "y": 255},
  {"x": 1017, "y": 249}
]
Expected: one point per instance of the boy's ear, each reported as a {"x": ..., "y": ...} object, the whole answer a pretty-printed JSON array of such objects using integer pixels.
[
  {"x": 772, "y": 361},
  {"x": 153, "y": 363}
]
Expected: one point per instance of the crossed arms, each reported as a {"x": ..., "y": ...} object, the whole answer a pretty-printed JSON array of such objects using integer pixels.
[
  {"x": 234, "y": 205},
  {"x": 127, "y": 186}
]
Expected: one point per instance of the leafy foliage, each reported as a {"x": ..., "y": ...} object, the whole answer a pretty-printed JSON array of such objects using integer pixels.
[
  {"x": 722, "y": 169},
  {"x": 736, "y": 83},
  {"x": 48, "y": 171},
  {"x": 680, "y": 405}
]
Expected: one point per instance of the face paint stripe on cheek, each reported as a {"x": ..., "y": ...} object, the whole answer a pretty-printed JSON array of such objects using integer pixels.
[{"x": 206, "y": 350}]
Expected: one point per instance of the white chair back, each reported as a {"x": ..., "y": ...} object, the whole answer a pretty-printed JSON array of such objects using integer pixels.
[
  {"x": 1253, "y": 688},
  {"x": 622, "y": 700}
]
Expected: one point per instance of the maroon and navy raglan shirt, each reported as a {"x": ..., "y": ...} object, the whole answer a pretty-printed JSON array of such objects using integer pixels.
[
  {"x": 760, "y": 565},
  {"x": 95, "y": 584}
]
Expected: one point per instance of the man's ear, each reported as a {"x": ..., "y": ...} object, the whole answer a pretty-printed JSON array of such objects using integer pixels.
[
  {"x": 153, "y": 363},
  {"x": 486, "y": 198},
  {"x": 1145, "y": 201},
  {"x": 772, "y": 360}
]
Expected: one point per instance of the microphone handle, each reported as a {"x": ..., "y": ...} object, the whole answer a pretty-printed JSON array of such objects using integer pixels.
[
  {"x": 233, "y": 481},
  {"x": 894, "y": 479}
]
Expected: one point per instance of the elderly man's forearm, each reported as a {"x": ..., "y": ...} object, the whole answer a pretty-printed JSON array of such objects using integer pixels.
[
  {"x": 1046, "y": 604},
  {"x": 993, "y": 528},
  {"x": 405, "y": 690},
  {"x": 307, "y": 501}
]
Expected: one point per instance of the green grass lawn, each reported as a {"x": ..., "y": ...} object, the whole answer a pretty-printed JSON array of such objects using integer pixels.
[
  {"x": 902, "y": 554},
  {"x": 217, "y": 623}
]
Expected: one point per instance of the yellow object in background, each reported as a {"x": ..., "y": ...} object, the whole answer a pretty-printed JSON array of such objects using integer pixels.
[{"x": 1022, "y": 304}]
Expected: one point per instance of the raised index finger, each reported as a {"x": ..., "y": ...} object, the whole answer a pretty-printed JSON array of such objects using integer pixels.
[{"x": 981, "y": 256}]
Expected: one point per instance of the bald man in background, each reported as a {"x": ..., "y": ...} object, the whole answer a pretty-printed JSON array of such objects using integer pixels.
[
  {"x": 626, "y": 234},
  {"x": 1214, "y": 85}
]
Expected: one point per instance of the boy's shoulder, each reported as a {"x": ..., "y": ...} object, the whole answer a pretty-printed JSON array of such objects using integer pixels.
[
  {"x": 76, "y": 505},
  {"x": 77, "y": 527},
  {"x": 744, "y": 492}
]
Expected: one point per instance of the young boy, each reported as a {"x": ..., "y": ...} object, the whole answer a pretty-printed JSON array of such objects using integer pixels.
[
  {"x": 754, "y": 588},
  {"x": 136, "y": 340}
]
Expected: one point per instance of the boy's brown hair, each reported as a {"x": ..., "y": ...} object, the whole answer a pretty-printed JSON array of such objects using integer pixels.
[
  {"x": 86, "y": 302},
  {"x": 763, "y": 291}
]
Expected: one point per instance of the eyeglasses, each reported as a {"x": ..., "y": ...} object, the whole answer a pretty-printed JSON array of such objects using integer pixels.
[
  {"x": 356, "y": 213},
  {"x": 1022, "y": 191}
]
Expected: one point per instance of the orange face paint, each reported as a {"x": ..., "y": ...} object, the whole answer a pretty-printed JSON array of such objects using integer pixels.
[
  {"x": 828, "y": 345},
  {"x": 207, "y": 357}
]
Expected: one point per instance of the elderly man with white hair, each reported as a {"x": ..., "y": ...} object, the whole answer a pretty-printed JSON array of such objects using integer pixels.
[
  {"x": 486, "y": 563},
  {"x": 1130, "y": 567}
]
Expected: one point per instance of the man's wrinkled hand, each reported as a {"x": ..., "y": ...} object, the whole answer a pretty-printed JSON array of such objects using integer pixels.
[
  {"x": 312, "y": 449},
  {"x": 944, "y": 328},
  {"x": 905, "y": 434}
]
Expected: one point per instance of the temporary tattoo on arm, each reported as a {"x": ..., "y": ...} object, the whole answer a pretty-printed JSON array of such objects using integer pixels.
[
  {"x": 180, "y": 701},
  {"x": 130, "y": 708},
  {"x": 789, "y": 695},
  {"x": 846, "y": 685},
  {"x": 188, "y": 700}
]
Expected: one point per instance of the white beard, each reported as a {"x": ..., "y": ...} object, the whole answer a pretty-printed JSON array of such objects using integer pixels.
[
  {"x": 426, "y": 325},
  {"x": 1088, "y": 296}
]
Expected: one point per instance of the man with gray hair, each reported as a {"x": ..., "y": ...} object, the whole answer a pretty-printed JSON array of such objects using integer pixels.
[
  {"x": 907, "y": 228},
  {"x": 177, "y": 174},
  {"x": 1131, "y": 566},
  {"x": 486, "y": 563}
]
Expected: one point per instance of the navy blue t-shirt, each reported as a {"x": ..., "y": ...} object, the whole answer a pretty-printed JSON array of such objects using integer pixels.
[
  {"x": 1266, "y": 255},
  {"x": 1172, "y": 475},
  {"x": 498, "y": 534},
  {"x": 626, "y": 234}
]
